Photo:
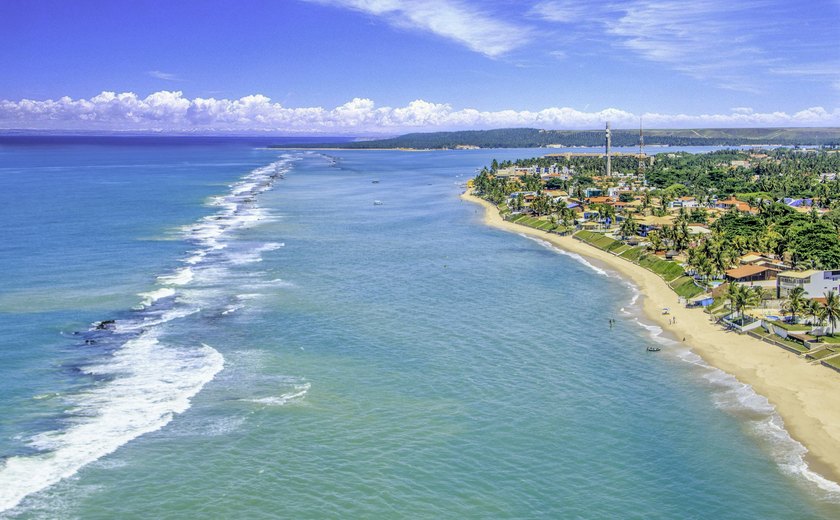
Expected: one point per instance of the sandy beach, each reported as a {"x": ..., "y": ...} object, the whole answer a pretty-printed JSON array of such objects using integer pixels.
[{"x": 806, "y": 396}]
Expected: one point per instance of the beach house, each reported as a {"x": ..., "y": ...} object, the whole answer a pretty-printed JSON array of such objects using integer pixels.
[
  {"x": 751, "y": 273},
  {"x": 816, "y": 283}
]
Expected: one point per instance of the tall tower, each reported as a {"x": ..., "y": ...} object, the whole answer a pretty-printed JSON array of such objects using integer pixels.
[
  {"x": 641, "y": 147},
  {"x": 608, "y": 140}
]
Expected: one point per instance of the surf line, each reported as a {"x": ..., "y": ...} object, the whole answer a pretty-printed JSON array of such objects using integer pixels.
[{"x": 147, "y": 382}]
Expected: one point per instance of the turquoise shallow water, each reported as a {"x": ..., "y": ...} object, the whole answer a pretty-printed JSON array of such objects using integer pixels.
[{"x": 303, "y": 353}]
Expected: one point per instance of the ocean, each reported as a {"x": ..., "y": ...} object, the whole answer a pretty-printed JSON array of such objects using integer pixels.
[{"x": 210, "y": 328}]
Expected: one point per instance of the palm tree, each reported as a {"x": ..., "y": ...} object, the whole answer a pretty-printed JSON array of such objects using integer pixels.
[
  {"x": 655, "y": 241},
  {"x": 795, "y": 302},
  {"x": 645, "y": 200},
  {"x": 815, "y": 310},
  {"x": 737, "y": 298},
  {"x": 741, "y": 297},
  {"x": 681, "y": 235},
  {"x": 607, "y": 212},
  {"x": 755, "y": 296},
  {"x": 629, "y": 227},
  {"x": 831, "y": 310},
  {"x": 720, "y": 260},
  {"x": 704, "y": 267}
]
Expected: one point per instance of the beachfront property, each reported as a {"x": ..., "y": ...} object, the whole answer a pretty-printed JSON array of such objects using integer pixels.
[
  {"x": 752, "y": 273},
  {"x": 815, "y": 283}
]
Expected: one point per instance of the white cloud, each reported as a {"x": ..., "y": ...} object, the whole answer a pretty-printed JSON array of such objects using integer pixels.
[
  {"x": 451, "y": 19},
  {"x": 172, "y": 111},
  {"x": 561, "y": 11},
  {"x": 713, "y": 39},
  {"x": 166, "y": 76}
]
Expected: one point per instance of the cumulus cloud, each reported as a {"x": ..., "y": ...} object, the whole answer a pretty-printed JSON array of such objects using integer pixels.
[{"x": 172, "y": 111}]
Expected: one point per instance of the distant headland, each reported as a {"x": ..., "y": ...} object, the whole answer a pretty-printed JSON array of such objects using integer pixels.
[{"x": 536, "y": 138}]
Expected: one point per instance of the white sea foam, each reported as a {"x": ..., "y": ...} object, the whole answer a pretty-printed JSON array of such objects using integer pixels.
[
  {"x": 180, "y": 277},
  {"x": 196, "y": 258},
  {"x": 740, "y": 399},
  {"x": 152, "y": 320},
  {"x": 254, "y": 255},
  {"x": 278, "y": 282},
  {"x": 574, "y": 256},
  {"x": 151, "y": 384},
  {"x": 231, "y": 309},
  {"x": 153, "y": 296},
  {"x": 147, "y": 382},
  {"x": 294, "y": 396}
]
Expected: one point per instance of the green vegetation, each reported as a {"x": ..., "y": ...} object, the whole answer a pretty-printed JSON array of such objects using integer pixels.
[
  {"x": 804, "y": 232},
  {"x": 791, "y": 327},
  {"x": 543, "y": 225},
  {"x": 633, "y": 254},
  {"x": 788, "y": 343},
  {"x": 685, "y": 287},
  {"x": 742, "y": 297},
  {"x": 666, "y": 269},
  {"x": 598, "y": 240},
  {"x": 535, "y": 138},
  {"x": 804, "y": 239},
  {"x": 821, "y": 354},
  {"x": 835, "y": 362}
]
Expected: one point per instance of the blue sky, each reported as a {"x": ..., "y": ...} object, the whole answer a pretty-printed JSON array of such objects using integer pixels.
[{"x": 370, "y": 66}]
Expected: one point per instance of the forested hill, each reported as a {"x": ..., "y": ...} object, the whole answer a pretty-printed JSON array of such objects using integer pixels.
[{"x": 534, "y": 138}]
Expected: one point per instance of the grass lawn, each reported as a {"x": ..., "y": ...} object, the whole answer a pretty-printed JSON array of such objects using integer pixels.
[
  {"x": 799, "y": 347},
  {"x": 833, "y": 362},
  {"x": 632, "y": 254},
  {"x": 822, "y": 354},
  {"x": 685, "y": 287},
  {"x": 664, "y": 268},
  {"x": 791, "y": 327}
]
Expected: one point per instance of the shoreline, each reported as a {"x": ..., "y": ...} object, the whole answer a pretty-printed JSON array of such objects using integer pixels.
[{"x": 806, "y": 397}]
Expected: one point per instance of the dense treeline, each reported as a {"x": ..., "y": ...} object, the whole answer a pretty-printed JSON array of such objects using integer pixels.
[
  {"x": 535, "y": 138},
  {"x": 760, "y": 178},
  {"x": 784, "y": 172}
]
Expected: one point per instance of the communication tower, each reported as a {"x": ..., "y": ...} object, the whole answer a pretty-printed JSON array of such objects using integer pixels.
[{"x": 608, "y": 141}]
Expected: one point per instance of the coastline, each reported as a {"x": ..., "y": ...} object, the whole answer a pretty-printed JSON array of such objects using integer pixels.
[{"x": 806, "y": 397}]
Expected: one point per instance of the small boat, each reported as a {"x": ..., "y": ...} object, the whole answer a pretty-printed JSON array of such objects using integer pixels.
[
  {"x": 653, "y": 349},
  {"x": 375, "y": 181},
  {"x": 377, "y": 203}
]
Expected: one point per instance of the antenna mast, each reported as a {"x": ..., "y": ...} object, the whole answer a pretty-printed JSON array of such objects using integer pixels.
[
  {"x": 607, "y": 136},
  {"x": 641, "y": 147}
]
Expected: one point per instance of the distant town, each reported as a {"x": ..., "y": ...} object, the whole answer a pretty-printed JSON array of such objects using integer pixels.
[{"x": 752, "y": 236}]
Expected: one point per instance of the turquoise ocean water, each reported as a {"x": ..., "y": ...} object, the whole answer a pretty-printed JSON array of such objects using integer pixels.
[{"x": 284, "y": 348}]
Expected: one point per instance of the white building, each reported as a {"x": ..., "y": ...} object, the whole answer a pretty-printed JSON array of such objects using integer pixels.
[
  {"x": 683, "y": 202},
  {"x": 815, "y": 283}
]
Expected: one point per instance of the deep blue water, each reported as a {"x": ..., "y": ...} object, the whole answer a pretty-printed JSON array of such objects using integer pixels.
[{"x": 282, "y": 347}]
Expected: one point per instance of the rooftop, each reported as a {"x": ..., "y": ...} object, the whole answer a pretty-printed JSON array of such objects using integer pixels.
[
  {"x": 748, "y": 270},
  {"x": 799, "y": 274}
]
